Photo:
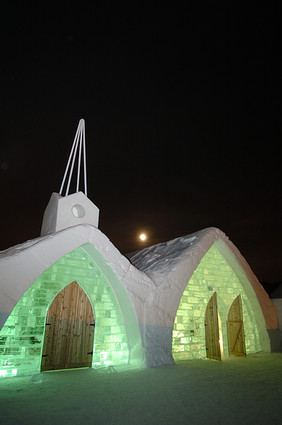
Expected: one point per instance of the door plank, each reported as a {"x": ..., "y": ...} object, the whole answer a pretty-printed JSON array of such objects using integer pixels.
[
  {"x": 68, "y": 335},
  {"x": 212, "y": 330},
  {"x": 235, "y": 329}
]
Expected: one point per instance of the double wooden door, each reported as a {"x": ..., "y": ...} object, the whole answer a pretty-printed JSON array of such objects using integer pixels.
[
  {"x": 235, "y": 329},
  {"x": 69, "y": 331},
  {"x": 212, "y": 330}
]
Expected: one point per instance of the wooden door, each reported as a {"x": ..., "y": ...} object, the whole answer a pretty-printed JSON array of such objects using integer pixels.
[
  {"x": 235, "y": 329},
  {"x": 69, "y": 331},
  {"x": 212, "y": 331}
]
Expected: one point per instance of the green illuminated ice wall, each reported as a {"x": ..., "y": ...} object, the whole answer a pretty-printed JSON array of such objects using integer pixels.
[
  {"x": 22, "y": 337},
  {"x": 212, "y": 275}
]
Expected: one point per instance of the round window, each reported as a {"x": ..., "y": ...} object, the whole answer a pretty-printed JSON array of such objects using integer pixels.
[{"x": 78, "y": 211}]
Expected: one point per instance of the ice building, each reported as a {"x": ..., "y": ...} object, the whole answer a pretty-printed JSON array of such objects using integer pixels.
[
  {"x": 276, "y": 298},
  {"x": 70, "y": 299}
]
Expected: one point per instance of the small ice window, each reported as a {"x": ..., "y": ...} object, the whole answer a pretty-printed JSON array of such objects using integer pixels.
[{"x": 78, "y": 211}]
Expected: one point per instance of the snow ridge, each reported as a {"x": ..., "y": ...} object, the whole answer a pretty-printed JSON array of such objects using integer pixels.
[{"x": 159, "y": 259}]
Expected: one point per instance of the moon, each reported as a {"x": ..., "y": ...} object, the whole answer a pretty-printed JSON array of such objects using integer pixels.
[{"x": 142, "y": 237}]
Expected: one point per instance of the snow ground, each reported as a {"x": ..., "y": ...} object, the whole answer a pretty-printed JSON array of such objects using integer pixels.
[{"x": 234, "y": 391}]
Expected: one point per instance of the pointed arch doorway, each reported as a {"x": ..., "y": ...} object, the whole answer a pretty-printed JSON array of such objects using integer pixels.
[
  {"x": 69, "y": 331},
  {"x": 235, "y": 329},
  {"x": 212, "y": 330}
]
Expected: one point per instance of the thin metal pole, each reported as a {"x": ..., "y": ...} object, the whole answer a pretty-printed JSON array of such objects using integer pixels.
[
  {"x": 69, "y": 160},
  {"x": 79, "y": 139},
  {"x": 72, "y": 165},
  {"x": 79, "y": 157},
  {"x": 84, "y": 161}
]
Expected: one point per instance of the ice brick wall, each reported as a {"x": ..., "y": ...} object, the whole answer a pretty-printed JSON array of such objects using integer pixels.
[
  {"x": 22, "y": 337},
  {"x": 212, "y": 275}
]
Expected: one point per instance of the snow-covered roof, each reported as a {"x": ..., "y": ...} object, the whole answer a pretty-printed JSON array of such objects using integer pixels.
[
  {"x": 22, "y": 264},
  {"x": 159, "y": 259},
  {"x": 171, "y": 264},
  {"x": 157, "y": 274}
]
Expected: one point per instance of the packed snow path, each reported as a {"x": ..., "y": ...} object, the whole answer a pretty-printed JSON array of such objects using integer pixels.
[{"x": 237, "y": 390}]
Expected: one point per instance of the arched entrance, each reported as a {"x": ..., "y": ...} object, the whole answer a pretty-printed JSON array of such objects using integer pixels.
[
  {"x": 117, "y": 335},
  {"x": 235, "y": 329},
  {"x": 211, "y": 329},
  {"x": 69, "y": 331}
]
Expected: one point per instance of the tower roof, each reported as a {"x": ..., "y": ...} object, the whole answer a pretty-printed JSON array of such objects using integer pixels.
[{"x": 71, "y": 209}]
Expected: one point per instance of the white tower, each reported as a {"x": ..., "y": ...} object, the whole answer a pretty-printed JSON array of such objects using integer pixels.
[{"x": 69, "y": 210}]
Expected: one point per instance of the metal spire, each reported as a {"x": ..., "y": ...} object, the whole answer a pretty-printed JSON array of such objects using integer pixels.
[{"x": 79, "y": 142}]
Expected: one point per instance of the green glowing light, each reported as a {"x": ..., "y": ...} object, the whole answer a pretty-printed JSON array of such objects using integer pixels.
[
  {"x": 212, "y": 275},
  {"x": 22, "y": 337}
]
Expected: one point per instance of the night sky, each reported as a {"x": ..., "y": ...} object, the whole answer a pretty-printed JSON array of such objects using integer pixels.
[{"x": 181, "y": 110}]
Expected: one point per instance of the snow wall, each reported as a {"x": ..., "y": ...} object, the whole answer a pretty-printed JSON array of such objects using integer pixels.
[
  {"x": 149, "y": 297},
  {"x": 200, "y": 264},
  {"x": 32, "y": 274}
]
